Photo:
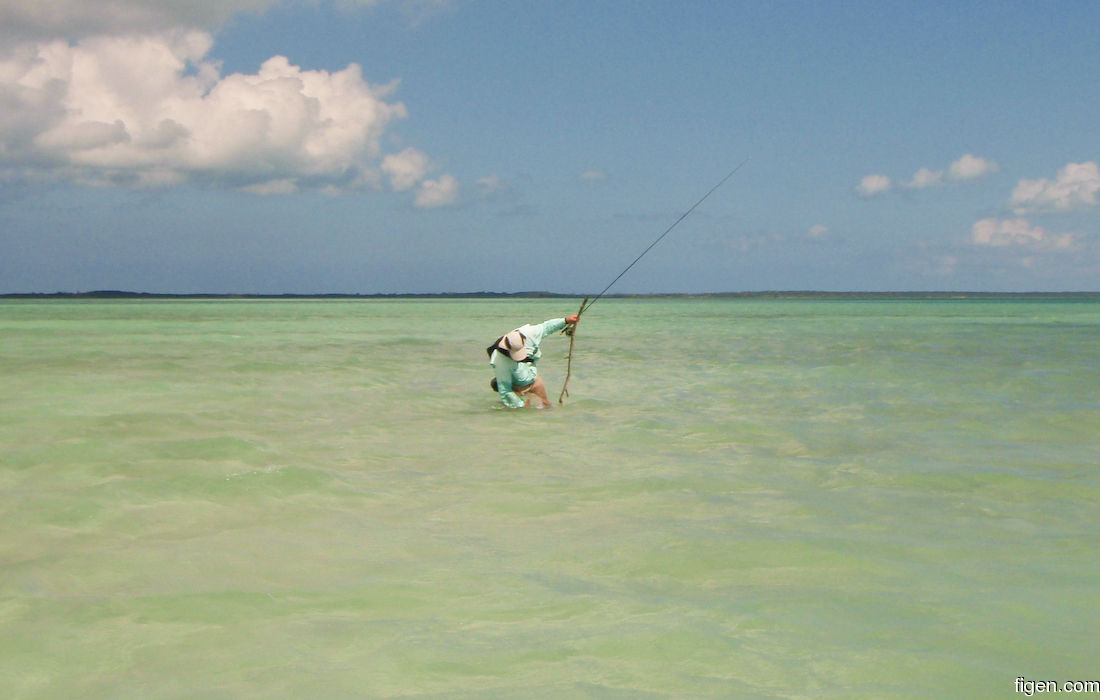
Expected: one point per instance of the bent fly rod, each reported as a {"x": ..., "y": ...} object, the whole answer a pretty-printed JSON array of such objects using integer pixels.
[{"x": 572, "y": 330}]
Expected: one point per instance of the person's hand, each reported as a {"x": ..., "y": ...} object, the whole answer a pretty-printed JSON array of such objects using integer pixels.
[{"x": 571, "y": 320}]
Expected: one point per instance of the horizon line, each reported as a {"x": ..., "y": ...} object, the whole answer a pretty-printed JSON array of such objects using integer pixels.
[{"x": 125, "y": 294}]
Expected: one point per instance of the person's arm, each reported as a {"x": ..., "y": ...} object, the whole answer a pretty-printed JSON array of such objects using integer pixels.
[
  {"x": 537, "y": 333},
  {"x": 504, "y": 387},
  {"x": 511, "y": 399},
  {"x": 556, "y": 324},
  {"x": 552, "y": 326}
]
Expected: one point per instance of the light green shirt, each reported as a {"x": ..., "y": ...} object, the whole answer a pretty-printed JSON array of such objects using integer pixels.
[{"x": 510, "y": 373}]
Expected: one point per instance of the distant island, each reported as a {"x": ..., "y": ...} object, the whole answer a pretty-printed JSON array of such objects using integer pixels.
[{"x": 114, "y": 294}]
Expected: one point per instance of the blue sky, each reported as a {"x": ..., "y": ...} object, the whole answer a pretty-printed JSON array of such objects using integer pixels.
[{"x": 464, "y": 145}]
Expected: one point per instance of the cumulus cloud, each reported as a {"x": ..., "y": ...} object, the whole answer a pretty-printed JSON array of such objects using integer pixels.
[
  {"x": 437, "y": 193},
  {"x": 151, "y": 109},
  {"x": 968, "y": 167},
  {"x": 406, "y": 168},
  {"x": 872, "y": 185},
  {"x": 1001, "y": 233},
  {"x": 1075, "y": 187},
  {"x": 971, "y": 167}
]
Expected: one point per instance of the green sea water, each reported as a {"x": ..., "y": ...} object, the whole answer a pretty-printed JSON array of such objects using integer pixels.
[{"x": 740, "y": 498}]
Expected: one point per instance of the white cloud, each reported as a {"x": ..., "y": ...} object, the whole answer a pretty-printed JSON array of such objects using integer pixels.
[
  {"x": 818, "y": 231},
  {"x": 74, "y": 19},
  {"x": 968, "y": 167},
  {"x": 926, "y": 178},
  {"x": 872, "y": 185},
  {"x": 1001, "y": 233},
  {"x": 437, "y": 193},
  {"x": 594, "y": 175},
  {"x": 971, "y": 167},
  {"x": 150, "y": 110},
  {"x": 40, "y": 19},
  {"x": 406, "y": 168},
  {"x": 1075, "y": 187}
]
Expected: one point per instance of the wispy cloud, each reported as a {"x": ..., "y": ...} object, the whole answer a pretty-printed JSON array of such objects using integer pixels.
[
  {"x": 1000, "y": 233},
  {"x": 73, "y": 19},
  {"x": 594, "y": 175},
  {"x": 284, "y": 186},
  {"x": 491, "y": 184}
]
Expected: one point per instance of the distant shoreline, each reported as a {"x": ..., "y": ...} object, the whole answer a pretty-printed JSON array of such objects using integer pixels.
[{"x": 112, "y": 294}]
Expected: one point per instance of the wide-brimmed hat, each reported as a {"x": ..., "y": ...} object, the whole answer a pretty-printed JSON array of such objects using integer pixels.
[{"x": 514, "y": 344}]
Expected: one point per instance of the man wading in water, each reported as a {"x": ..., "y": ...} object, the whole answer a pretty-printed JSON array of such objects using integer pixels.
[{"x": 514, "y": 357}]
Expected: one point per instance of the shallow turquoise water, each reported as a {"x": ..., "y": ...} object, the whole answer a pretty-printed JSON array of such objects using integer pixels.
[{"x": 740, "y": 498}]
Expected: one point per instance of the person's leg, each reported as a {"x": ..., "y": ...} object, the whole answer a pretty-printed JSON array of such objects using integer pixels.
[
  {"x": 539, "y": 389},
  {"x": 525, "y": 380}
]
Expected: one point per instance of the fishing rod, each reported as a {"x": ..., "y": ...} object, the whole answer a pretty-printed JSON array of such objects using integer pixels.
[
  {"x": 667, "y": 231},
  {"x": 572, "y": 330}
]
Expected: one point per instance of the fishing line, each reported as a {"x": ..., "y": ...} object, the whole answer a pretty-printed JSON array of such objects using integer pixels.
[
  {"x": 571, "y": 329},
  {"x": 667, "y": 231}
]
